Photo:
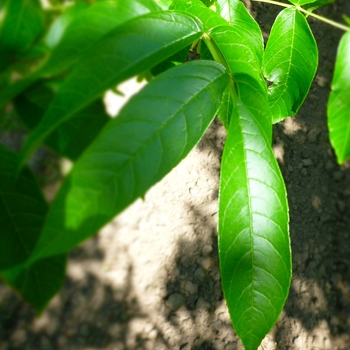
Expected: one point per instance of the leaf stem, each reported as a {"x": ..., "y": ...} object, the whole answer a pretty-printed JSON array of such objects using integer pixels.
[
  {"x": 218, "y": 57},
  {"x": 321, "y": 18}
]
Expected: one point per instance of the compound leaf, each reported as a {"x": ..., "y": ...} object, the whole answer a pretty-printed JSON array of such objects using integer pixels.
[
  {"x": 39, "y": 282},
  {"x": 22, "y": 211},
  {"x": 290, "y": 63},
  {"x": 236, "y": 14},
  {"x": 254, "y": 247},
  {"x": 128, "y": 50},
  {"x": 339, "y": 102},
  {"x": 152, "y": 134}
]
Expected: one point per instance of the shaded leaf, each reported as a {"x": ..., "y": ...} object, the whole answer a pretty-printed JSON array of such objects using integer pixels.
[
  {"x": 301, "y": 2},
  {"x": 236, "y": 14},
  {"x": 22, "y": 211},
  {"x": 74, "y": 32},
  {"x": 226, "y": 108},
  {"x": 68, "y": 139},
  {"x": 290, "y": 63},
  {"x": 130, "y": 49},
  {"x": 254, "y": 247},
  {"x": 20, "y": 25},
  {"x": 38, "y": 282},
  {"x": 339, "y": 102},
  {"x": 133, "y": 152}
]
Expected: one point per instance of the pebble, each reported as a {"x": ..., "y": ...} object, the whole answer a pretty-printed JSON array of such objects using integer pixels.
[
  {"x": 202, "y": 304},
  {"x": 312, "y": 135},
  {"x": 191, "y": 288},
  {"x": 307, "y": 162},
  {"x": 207, "y": 249},
  {"x": 199, "y": 274},
  {"x": 338, "y": 175},
  {"x": 175, "y": 301}
]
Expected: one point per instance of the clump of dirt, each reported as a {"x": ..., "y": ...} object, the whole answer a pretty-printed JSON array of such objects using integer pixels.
[{"x": 150, "y": 279}]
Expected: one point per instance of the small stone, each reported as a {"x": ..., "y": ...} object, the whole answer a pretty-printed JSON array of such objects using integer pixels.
[
  {"x": 217, "y": 325},
  {"x": 329, "y": 165},
  {"x": 191, "y": 288},
  {"x": 312, "y": 135},
  {"x": 290, "y": 168},
  {"x": 206, "y": 263},
  {"x": 207, "y": 249},
  {"x": 202, "y": 304},
  {"x": 19, "y": 337},
  {"x": 199, "y": 274},
  {"x": 304, "y": 172},
  {"x": 338, "y": 175},
  {"x": 175, "y": 301},
  {"x": 341, "y": 206},
  {"x": 335, "y": 321},
  {"x": 307, "y": 162}
]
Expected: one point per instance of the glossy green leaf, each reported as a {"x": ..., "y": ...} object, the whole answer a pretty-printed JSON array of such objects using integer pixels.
[
  {"x": 133, "y": 152},
  {"x": 68, "y": 139},
  {"x": 254, "y": 247},
  {"x": 22, "y": 211},
  {"x": 20, "y": 24},
  {"x": 209, "y": 18},
  {"x": 237, "y": 51},
  {"x": 74, "y": 32},
  {"x": 39, "y": 282},
  {"x": 236, "y": 14},
  {"x": 317, "y": 4},
  {"x": 339, "y": 102},
  {"x": 130, "y": 49},
  {"x": 290, "y": 63},
  {"x": 226, "y": 108}
]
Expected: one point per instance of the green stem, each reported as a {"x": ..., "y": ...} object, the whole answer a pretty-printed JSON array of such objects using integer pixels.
[
  {"x": 218, "y": 57},
  {"x": 321, "y": 18}
]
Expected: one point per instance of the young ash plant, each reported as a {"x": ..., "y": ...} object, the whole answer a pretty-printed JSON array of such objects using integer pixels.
[{"x": 55, "y": 66}]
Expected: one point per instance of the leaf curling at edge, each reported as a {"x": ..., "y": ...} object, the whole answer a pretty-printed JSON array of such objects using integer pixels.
[
  {"x": 130, "y": 49},
  {"x": 133, "y": 152},
  {"x": 254, "y": 246}
]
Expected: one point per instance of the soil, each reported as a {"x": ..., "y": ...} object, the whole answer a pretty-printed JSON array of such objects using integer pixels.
[{"x": 150, "y": 279}]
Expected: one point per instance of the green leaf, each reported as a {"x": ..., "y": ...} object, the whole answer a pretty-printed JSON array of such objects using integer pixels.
[
  {"x": 290, "y": 63},
  {"x": 68, "y": 139},
  {"x": 20, "y": 24},
  {"x": 39, "y": 282},
  {"x": 317, "y": 4},
  {"x": 209, "y": 18},
  {"x": 238, "y": 51},
  {"x": 133, "y": 152},
  {"x": 226, "y": 109},
  {"x": 74, "y": 32},
  {"x": 254, "y": 247},
  {"x": 339, "y": 102},
  {"x": 236, "y": 14},
  {"x": 130, "y": 49},
  {"x": 22, "y": 211}
]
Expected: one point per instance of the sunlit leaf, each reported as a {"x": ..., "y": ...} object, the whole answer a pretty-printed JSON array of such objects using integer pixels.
[
  {"x": 317, "y": 4},
  {"x": 237, "y": 15},
  {"x": 290, "y": 63},
  {"x": 339, "y": 102},
  {"x": 254, "y": 247},
  {"x": 22, "y": 211},
  {"x": 130, "y": 49}
]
